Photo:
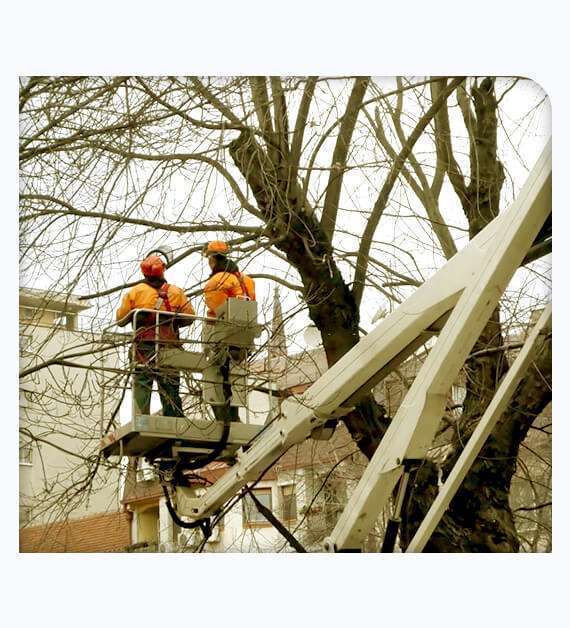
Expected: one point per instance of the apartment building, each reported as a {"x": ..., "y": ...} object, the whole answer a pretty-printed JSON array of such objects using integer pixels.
[{"x": 69, "y": 501}]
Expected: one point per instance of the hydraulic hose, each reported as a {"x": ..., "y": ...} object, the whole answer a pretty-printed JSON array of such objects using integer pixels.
[
  {"x": 203, "y": 524},
  {"x": 202, "y": 461}
]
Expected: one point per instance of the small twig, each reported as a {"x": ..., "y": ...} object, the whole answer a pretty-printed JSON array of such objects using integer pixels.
[{"x": 545, "y": 505}]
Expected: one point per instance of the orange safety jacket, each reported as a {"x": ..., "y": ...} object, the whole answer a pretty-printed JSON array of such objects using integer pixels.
[
  {"x": 166, "y": 298},
  {"x": 225, "y": 284}
]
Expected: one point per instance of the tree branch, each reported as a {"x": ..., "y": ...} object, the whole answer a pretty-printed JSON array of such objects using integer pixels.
[
  {"x": 528, "y": 508},
  {"x": 178, "y": 258},
  {"x": 81, "y": 105},
  {"x": 261, "y": 103},
  {"x": 266, "y": 512},
  {"x": 340, "y": 154},
  {"x": 214, "y": 126},
  {"x": 215, "y": 102},
  {"x": 444, "y": 148},
  {"x": 383, "y": 196},
  {"x": 283, "y": 282},
  {"x": 422, "y": 189},
  {"x": 177, "y": 228},
  {"x": 300, "y": 125},
  {"x": 333, "y": 126},
  {"x": 182, "y": 157},
  {"x": 280, "y": 116}
]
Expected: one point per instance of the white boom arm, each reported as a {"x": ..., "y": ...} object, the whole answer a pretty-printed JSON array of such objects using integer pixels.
[
  {"x": 461, "y": 297},
  {"x": 484, "y": 428}
]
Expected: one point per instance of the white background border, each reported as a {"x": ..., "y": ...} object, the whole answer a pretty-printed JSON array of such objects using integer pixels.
[{"x": 293, "y": 37}]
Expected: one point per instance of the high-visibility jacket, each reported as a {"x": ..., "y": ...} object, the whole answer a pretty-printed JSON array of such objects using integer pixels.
[
  {"x": 225, "y": 284},
  {"x": 146, "y": 296}
]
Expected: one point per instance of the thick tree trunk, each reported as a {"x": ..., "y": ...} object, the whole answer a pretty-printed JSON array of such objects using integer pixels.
[
  {"x": 298, "y": 234},
  {"x": 479, "y": 518}
]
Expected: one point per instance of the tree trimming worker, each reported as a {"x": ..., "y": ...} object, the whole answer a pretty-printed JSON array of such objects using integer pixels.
[
  {"x": 226, "y": 281},
  {"x": 154, "y": 293}
]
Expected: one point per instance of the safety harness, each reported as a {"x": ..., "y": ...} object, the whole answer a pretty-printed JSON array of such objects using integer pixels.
[
  {"x": 163, "y": 298},
  {"x": 239, "y": 277},
  {"x": 150, "y": 320}
]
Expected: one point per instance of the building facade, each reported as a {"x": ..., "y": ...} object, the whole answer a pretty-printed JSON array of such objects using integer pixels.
[{"x": 69, "y": 498}]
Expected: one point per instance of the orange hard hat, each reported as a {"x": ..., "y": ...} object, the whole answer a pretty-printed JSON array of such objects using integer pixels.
[
  {"x": 153, "y": 266},
  {"x": 216, "y": 247}
]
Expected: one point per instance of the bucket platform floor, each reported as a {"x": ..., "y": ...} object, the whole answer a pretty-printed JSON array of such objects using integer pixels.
[{"x": 169, "y": 435}]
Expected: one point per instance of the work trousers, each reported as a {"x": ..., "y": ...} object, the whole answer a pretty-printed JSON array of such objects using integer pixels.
[
  {"x": 168, "y": 382},
  {"x": 222, "y": 413}
]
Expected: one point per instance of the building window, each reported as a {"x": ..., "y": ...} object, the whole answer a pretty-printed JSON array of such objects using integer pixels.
[
  {"x": 66, "y": 320},
  {"x": 252, "y": 516},
  {"x": 25, "y": 342},
  {"x": 148, "y": 526},
  {"x": 146, "y": 471},
  {"x": 288, "y": 502},
  {"x": 457, "y": 398},
  {"x": 60, "y": 320},
  {"x": 26, "y": 452},
  {"x": 333, "y": 499},
  {"x": 25, "y": 514},
  {"x": 28, "y": 313},
  {"x": 71, "y": 323}
]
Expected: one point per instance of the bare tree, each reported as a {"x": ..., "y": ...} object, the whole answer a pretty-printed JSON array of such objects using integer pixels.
[{"x": 349, "y": 193}]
